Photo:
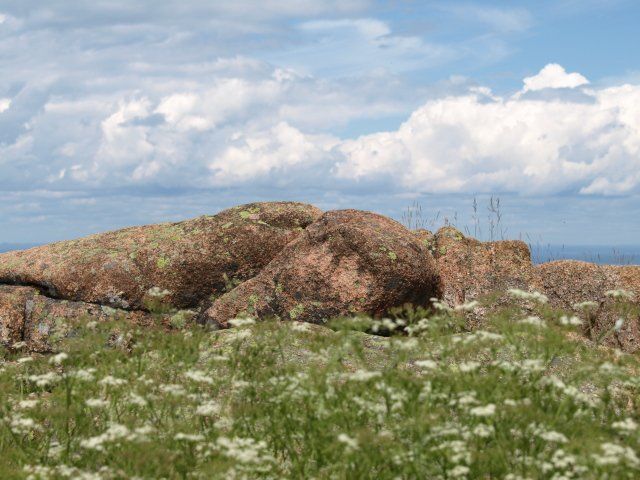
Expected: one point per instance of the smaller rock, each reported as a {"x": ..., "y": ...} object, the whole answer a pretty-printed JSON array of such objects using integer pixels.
[
  {"x": 29, "y": 317},
  {"x": 568, "y": 283},
  {"x": 470, "y": 269}
]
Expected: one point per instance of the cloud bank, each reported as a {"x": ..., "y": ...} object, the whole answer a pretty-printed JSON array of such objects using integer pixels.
[{"x": 253, "y": 124}]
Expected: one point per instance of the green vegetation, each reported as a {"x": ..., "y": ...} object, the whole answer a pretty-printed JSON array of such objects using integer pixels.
[{"x": 526, "y": 397}]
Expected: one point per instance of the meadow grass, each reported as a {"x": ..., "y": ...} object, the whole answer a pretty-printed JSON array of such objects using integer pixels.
[{"x": 526, "y": 397}]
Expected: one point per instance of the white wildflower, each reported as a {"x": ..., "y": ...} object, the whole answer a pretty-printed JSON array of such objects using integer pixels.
[
  {"x": 208, "y": 409},
  {"x": 459, "y": 471},
  {"x": 534, "y": 321},
  {"x": 351, "y": 443},
  {"x": 626, "y": 425},
  {"x": 585, "y": 305},
  {"x": 45, "y": 379},
  {"x": 188, "y": 437},
  {"x": 199, "y": 376},
  {"x": 440, "y": 305},
  {"x": 112, "y": 381},
  {"x": 483, "y": 430},
  {"x": 22, "y": 425},
  {"x": 426, "y": 364},
  {"x": 363, "y": 375},
  {"x": 24, "y": 360},
  {"x": 157, "y": 292},
  {"x": 467, "y": 307},
  {"x": 241, "y": 322},
  {"x": 173, "y": 389},
  {"x": 28, "y": 404},
  {"x": 85, "y": 375},
  {"x": 613, "y": 454},
  {"x": 299, "y": 327},
  {"x": 552, "y": 436},
  {"x": 620, "y": 293},
  {"x": 523, "y": 295},
  {"x": 246, "y": 451},
  {"x": 483, "y": 411},
  {"x": 96, "y": 403},
  {"x": 570, "y": 320},
  {"x": 618, "y": 325},
  {"x": 406, "y": 345},
  {"x": 135, "y": 399},
  {"x": 58, "y": 359},
  {"x": 114, "y": 433},
  {"x": 467, "y": 367}
]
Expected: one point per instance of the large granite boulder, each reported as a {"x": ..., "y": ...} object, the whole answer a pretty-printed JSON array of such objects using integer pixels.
[
  {"x": 192, "y": 260},
  {"x": 570, "y": 283},
  {"x": 347, "y": 262}
]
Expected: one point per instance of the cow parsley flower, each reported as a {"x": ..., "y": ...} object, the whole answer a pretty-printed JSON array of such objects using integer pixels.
[
  {"x": 45, "y": 379},
  {"x": 467, "y": 307},
  {"x": 96, "y": 403},
  {"x": 426, "y": 364},
  {"x": 483, "y": 411},
  {"x": 241, "y": 322},
  {"x": 58, "y": 359},
  {"x": 620, "y": 293},
  {"x": 627, "y": 425},
  {"x": 467, "y": 367},
  {"x": 112, "y": 381},
  {"x": 363, "y": 375},
  {"x": 534, "y": 321},
  {"x": 585, "y": 305},
  {"x": 188, "y": 437},
  {"x": 570, "y": 320},
  {"x": 28, "y": 404},
  {"x": 199, "y": 376},
  {"x": 208, "y": 409},
  {"x": 349, "y": 442},
  {"x": 524, "y": 295}
]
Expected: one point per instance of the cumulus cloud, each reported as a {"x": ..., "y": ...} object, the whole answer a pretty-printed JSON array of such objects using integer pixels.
[
  {"x": 553, "y": 76},
  {"x": 479, "y": 142},
  {"x": 273, "y": 125}
]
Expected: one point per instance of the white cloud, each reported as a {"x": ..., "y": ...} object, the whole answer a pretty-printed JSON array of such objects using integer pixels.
[
  {"x": 3, "y": 18},
  {"x": 261, "y": 154},
  {"x": 553, "y": 76},
  {"x": 268, "y": 126},
  {"x": 481, "y": 143},
  {"x": 5, "y": 103}
]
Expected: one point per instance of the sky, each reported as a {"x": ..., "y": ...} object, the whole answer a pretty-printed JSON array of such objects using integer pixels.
[{"x": 125, "y": 112}]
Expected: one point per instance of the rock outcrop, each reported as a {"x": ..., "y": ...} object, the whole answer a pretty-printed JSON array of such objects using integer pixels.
[
  {"x": 192, "y": 260},
  {"x": 347, "y": 262},
  {"x": 29, "y": 317},
  {"x": 569, "y": 283},
  {"x": 290, "y": 261},
  {"x": 470, "y": 269}
]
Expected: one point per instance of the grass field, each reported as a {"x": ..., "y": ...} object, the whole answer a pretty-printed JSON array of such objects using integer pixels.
[{"x": 524, "y": 398}]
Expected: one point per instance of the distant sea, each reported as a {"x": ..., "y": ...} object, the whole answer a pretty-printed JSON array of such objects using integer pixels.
[
  {"x": 7, "y": 247},
  {"x": 603, "y": 254}
]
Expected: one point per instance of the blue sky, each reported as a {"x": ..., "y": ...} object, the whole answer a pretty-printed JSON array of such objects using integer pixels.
[{"x": 121, "y": 112}]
